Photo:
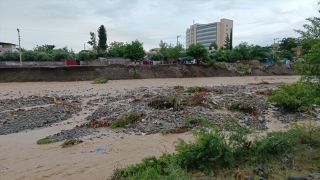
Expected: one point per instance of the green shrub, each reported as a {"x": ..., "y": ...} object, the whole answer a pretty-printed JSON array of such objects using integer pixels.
[
  {"x": 135, "y": 75},
  {"x": 86, "y": 55},
  {"x": 46, "y": 140},
  {"x": 100, "y": 80},
  {"x": 10, "y": 56},
  {"x": 213, "y": 150},
  {"x": 208, "y": 150},
  {"x": 164, "y": 167},
  {"x": 126, "y": 119},
  {"x": 299, "y": 96}
]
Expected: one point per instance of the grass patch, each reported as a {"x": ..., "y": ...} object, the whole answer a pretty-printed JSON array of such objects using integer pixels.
[
  {"x": 126, "y": 119},
  {"x": 216, "y": 154},
  {"x": 46, "y": 140},
  {"x": 100, "y": 80}
]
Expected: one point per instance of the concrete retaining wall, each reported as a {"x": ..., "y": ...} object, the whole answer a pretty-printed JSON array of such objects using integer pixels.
[
  {"x": 32, "y": 63},
  {"x": 113, "y": 72},
  {"x": 106, "y": 62}
]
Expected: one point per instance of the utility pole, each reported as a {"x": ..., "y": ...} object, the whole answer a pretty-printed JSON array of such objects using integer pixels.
[
  {"x": 84, "y": 46},
  {"x": 274, "y": 44},
  {"x": 178, "y": 39},
  {"x": 19, "y": 46}
]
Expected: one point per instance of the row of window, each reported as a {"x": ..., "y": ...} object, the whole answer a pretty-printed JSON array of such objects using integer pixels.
[
  {"x": 206, "y": 37},
  {"x": 206, "y": 34},
  {"x": 206, "y": 41},
  {"x": 206, "y": 30},
  {"x": 207, "y": 26}
]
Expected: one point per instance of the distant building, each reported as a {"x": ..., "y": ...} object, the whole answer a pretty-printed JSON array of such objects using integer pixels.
[
  {"x": 4, "y": 47},
  {"x": 205, "y": 34}
]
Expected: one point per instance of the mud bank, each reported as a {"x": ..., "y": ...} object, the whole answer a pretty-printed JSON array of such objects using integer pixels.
[{"x": 118, "y": 72}]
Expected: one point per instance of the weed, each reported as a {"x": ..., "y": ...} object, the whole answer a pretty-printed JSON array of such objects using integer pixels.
[
  {"x": 135, "y": 75},
  {"x": 46, "y": 140},
  {"x": 191, "y": 122},
  {"x": 243, "y": 107},
  {"x": 100, "y": 80},
  {"x": 126, "y": 119},
  {"x": 96, "y": 123},
  {"x": 198, "y": 97},
  {"x": 10, "y": 114},
  {"x": 70, "y": 142}
]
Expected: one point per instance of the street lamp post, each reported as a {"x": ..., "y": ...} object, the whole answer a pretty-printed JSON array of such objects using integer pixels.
[
  {"x": 178, "y": 39},
  {"x": 19, "y": 47},
  {"x": 274, "y": 44}
]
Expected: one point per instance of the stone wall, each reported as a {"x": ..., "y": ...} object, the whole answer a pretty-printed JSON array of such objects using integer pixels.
[
  {"x": 32, "y": 63},
  {"x": 115, "y": 72},
  {"x": 106, "y": 62}
]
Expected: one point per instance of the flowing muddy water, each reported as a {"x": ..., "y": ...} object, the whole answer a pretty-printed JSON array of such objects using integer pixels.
[{"x": 22, "y": 158}]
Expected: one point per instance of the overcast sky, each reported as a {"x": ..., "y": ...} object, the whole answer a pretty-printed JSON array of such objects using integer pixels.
[{"x": 68, "y": 22}]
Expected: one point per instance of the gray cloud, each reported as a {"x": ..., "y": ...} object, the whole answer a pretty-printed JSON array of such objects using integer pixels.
[{"x": 69, "y": 22}]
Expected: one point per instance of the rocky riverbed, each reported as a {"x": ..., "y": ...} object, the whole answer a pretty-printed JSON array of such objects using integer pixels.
[
  {"x": 31, "y": 111},
  {"x": 154, "y": 103}
]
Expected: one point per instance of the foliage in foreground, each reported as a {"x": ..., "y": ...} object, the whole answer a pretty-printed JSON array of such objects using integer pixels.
[
  {"x": 298, "y": 96},
  {"x": 214, "y": 150},
  {"x": 100, "y": 80},
  {"x": 46, "y": 140}
]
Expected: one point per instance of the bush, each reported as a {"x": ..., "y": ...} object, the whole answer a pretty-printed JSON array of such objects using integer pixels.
[
  {"x": 100, "y": 80},
  {"x": 299, "y": 96},
  {"x": 42, "y": 56},
  {"x": 86, "y": 55},
  {"x": 29, "y": 56},
  {"x": 213, "y": 150},
  {"x": 152, "y": 168},
  {"x": 10, "y": 56}
]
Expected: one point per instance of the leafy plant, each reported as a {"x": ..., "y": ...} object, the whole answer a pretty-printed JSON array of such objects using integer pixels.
[{"x": 100, "y": 80}]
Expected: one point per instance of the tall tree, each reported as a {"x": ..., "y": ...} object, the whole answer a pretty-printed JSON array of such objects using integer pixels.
[
  {"x": 134, "y": 51},
  {"x": 116, "y": 49},
  {"x": 231, "y": 39},
  {"x": 213, "y": 45},
  {"x": 174, "y": 51},
  {"x": 288, "y": 44},
  {"x": 93, "y": 41},
  {"x": 198, "y": 51},
  {"x": 227, "y": 42},
  {"x": 102, "y": 34},
  {"x": 163, "y": 48}
]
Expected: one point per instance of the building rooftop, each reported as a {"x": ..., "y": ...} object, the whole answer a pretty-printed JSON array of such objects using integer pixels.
[{"x": 7, "y": 43}]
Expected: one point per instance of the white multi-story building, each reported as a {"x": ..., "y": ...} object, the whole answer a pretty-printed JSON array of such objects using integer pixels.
[{"x": 205, "y": 34}]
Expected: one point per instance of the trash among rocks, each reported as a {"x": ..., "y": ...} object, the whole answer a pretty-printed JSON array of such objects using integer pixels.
[{"x": 99, "y": 149}]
